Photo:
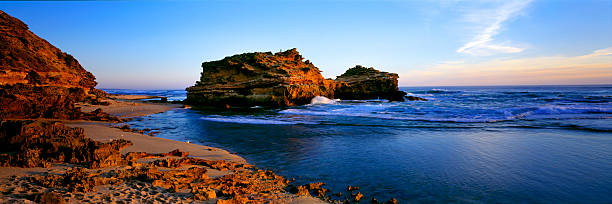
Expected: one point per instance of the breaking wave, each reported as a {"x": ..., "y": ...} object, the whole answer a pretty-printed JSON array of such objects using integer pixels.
[
  {"x": 250, "y": 120},
  {"x": 323, "y": 100}
]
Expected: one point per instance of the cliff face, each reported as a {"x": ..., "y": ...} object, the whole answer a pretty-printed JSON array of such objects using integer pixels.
[
  {"x": 359, "y": 83},
  {"x": 260, "y": 78},
  {"x": 38, "y": 79}
]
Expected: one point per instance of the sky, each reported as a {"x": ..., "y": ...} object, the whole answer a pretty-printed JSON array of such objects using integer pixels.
[{"x": 161, "y": 44}]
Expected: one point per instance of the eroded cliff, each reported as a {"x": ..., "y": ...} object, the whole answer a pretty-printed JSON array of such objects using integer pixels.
[{"x": 38, "y": 80}]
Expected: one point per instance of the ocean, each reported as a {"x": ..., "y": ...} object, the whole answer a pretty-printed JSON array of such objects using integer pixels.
[{"x": 498, "y": 144}]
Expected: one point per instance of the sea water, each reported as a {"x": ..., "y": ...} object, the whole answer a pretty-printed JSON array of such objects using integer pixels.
[{"x": 504, "y": 144}]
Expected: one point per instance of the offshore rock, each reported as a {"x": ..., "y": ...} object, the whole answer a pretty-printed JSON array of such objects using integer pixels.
[
  {"x": 259, "y": 78},
  {"x": 38, "y": 80},
  {"x": 359, "y": 83}
]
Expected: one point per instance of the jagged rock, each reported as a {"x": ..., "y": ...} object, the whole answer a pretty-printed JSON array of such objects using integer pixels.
[
  {"x": 300, "y": 191},
  {"x": 50, "y": 198},
  {"x": 357, "y": 196},
  {"x": 99, "y": 115},
  {"x": 315, "y": 186},
  {"x": 38, "y": 80},
  {"x": 243, "y": 184},
  {"x": 203, "y": 193},
  {"x": 27, "y": 143},
  {"x": 352, "y": 188},
  {"x": 360, "y": 83},
  {"x": 260, "y": 78}
]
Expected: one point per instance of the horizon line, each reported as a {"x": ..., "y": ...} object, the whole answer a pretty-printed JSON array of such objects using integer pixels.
[{"x": 175, "y": 89}]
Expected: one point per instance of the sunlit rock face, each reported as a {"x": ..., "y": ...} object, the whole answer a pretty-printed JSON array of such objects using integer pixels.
[
  {"x": 37, "y": 79},
  {"x": 260, "y": 78},
  {"x": 360, "y": 83},
  {"x": 284, "y": 79}
]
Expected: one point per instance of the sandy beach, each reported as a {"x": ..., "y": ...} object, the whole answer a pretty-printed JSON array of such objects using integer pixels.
[{"x": 17, "y": 186}]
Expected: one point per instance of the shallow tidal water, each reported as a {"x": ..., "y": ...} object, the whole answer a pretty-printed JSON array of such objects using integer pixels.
[{"x": 526, "y": 144}]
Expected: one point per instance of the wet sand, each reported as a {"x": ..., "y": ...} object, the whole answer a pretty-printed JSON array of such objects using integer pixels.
[
  {"x": 16, "y": 185},
  {"x": 129, "y": 108}
]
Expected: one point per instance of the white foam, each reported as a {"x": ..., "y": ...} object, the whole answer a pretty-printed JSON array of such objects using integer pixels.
[
  {"x": 244, "y": 120},
  {"x": 323, "y": 100}
]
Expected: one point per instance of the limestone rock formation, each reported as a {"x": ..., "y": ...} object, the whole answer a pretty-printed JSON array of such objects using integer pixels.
[
  {"x": 360, "y": 83},
  {"x": 38, "y": 80},
  {"x": 260, "y": 78},
  {"x": 284, "y": 79},
  {"x": 29, "y": 143}
]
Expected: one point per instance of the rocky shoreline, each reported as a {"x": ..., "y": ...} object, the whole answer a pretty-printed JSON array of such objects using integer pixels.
[
  {"x": 59, "y": 144},
  {"x": 71, "y": 161}
]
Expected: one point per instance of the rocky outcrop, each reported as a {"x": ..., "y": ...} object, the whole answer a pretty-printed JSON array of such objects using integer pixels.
[
  {"x": 38, "y": 80},
  {"x": 260, "y": 78},
  {"x": 360, "y": 82},
  {"x": 28, "y": 143},
  {"x": 284, "y": 79}
]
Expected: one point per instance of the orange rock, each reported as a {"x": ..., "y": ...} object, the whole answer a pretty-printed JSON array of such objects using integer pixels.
[
  {"x": 300, "y": 191},
  {"x": 352, "y": 188},
  {"x": 357, "y": 197},
  {"x": 260, "y": 78},
  {"x": 50, "y": 198},
  {"x": 40, "y": 143},
  {"x": 38, "y": 80},
  {"x": 315, "y": 186}
]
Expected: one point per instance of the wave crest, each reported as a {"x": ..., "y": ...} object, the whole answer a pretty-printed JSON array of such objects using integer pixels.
[{"x": 323, "y": 100}]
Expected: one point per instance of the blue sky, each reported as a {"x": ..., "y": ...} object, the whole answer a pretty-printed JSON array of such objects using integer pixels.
[{"x": 161, "y": 44}]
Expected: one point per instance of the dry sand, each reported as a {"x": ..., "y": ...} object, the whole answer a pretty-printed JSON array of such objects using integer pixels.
[
  {"x": 16, "y": 187},
  {"x": 132, "y": 97}
]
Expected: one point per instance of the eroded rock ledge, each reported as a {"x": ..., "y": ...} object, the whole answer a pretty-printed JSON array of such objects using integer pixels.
[{"x": 284, "y": 79}]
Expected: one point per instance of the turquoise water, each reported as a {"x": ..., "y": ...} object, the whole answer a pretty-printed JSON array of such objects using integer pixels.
[{"x": 526, "y": 144}]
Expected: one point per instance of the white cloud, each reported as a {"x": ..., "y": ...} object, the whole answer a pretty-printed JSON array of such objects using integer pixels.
[{"x": 482, "y": 44}]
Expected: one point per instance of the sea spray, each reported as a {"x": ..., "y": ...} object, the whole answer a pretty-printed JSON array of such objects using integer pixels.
[{"x": 323, "y": 100}]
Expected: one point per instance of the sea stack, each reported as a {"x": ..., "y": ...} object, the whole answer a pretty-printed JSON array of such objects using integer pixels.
[
  {"x": 38, "y": 80},
  {"x": 259, "y": 78},
  {"x": 284, "y": 79},
  {"x": 360, "y": 83}
]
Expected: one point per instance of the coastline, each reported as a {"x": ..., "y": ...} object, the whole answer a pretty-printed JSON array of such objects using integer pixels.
[{"x": 16, "y": 181}]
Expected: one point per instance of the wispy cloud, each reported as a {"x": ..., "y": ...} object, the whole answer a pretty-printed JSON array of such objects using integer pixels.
[
  {"x": 591, "y": 68},
  {"x": 483, "y": 43},
  {"x": 601, "y": 52}
]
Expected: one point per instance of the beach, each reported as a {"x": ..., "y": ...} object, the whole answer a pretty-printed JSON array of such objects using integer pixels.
[{"x": 17, "y": 185}]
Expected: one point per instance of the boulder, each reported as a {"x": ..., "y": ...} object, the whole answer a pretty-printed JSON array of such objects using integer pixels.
[
  {"x": 259, "y": 78},
  {"x": 359, "y": 83},
  {"x": 38, "y": 80}
]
